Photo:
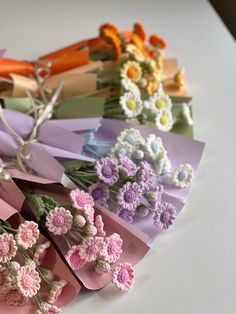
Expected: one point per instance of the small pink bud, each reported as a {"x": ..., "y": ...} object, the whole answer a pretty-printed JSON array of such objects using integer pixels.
[
  {"x": 91, "y": 230},
  {"x": 80, "y": 221},
  {"x": 102, "y": 267}
]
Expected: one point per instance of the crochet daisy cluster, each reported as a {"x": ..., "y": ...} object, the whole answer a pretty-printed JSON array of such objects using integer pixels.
[
  {"x": 22, "y": 273},
  {"x": 83, "y": 231},
  {"x": 131, "y": 144},
  {"x": 134, "y": 190},
  {"x": 156, "y": 109}
]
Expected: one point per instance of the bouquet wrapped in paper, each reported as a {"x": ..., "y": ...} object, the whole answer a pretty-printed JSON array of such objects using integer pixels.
[
  {"x": 33, "y": 276},
  {"x": 96, "y": 73},
  {"x": 140, "y": 174}
]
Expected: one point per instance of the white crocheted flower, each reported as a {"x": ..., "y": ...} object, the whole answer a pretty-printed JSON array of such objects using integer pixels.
[
  {"x": 159, "y": 101},
  {"x": 154, "y": 146},
  {"x": 131, "y": 136},
  {"x": 130, "y": 86},
  {"x": 183, "y": 175},
  {"x": 131, "y": 104},
  {"x": 164, "y": 120}
]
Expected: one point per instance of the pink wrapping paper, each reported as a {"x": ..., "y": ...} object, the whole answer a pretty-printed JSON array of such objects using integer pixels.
[{"x": 10, "y": 192}]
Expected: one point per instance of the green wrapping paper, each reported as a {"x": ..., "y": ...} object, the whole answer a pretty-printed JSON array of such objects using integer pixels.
[
  {"x": 80, "y": 107},
  {"x": 91, "y": 107}
]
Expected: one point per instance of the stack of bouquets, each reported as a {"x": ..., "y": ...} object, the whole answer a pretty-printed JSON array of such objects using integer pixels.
[
  {"x": 89, "y": 174},
  {"x": 100, "y": 76}
]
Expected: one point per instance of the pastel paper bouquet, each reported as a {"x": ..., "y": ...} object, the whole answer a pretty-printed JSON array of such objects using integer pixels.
[
  {"x": 91, "y": 172},
  {"x": 92, "y": 72},
  {"x": 26, "y": 252}
]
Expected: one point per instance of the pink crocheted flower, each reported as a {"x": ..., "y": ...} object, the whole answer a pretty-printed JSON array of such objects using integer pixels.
[
  {"x": 114, "y": 245},
  {"x": 79, "y": 199},
  {"x": 102, "y": 267},
  {"x": 74, "y": 259},
  {"x": 13, "y": 297},
  {"x": 28, "y": 281},
  {"x": 79, "y": 221},
  {"x": 5, "y": 279},
  {"x": 15, "y": 266},
  {"x": 123, "y": 276},
  {"x": 40, "y": 252},
  {"x": 91, "y": 248},
  {"x": 59, "y": 221},
  {"x": 27, "y": 234},
  {"x": 91, "y": 230},
  {"x": 100, "y": 226},
  {"x": 49, "y": 309},
  {"x": 56, "y": 291},
  {"x": 7, "y": 247}
]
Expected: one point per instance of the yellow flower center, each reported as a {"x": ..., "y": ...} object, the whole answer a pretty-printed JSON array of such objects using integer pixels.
[
  {"x": 131, "y": 104},
  {"x": 160, "y": 104},
  {"x": 132, "y": 73},
  {"x": 164, "y": 119}
]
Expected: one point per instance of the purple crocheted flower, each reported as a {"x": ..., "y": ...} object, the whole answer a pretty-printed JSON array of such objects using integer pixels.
[
  {"x": 154, "y": 197},
  {"x": 107, "y": 170},
  {"x": 145, "y": 176},
  {"x": 99, "y": 192},
  {"x": 129, "y": 196},
  {"x": 127, "y": 166},
  {"x": 127, "y": 215},
  {"x": 164, "y": 216},
  {"x": 117, "y": 210}
]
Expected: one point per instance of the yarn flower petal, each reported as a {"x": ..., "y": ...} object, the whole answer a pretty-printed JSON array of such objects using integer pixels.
[
  {"x": 59, "y": 221},
  {"x": 27, "y": 234},
  {"x": 123, "y": 276}
]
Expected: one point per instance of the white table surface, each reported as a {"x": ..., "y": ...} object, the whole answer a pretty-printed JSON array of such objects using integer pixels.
[{"x": 192, "y": 268}]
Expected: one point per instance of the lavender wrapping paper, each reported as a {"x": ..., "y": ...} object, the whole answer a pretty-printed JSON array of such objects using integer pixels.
[
  {"x": 54, "y": 139},
  {"x": 146, "y": 224},
  {"x": 180, "y": 150}
]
